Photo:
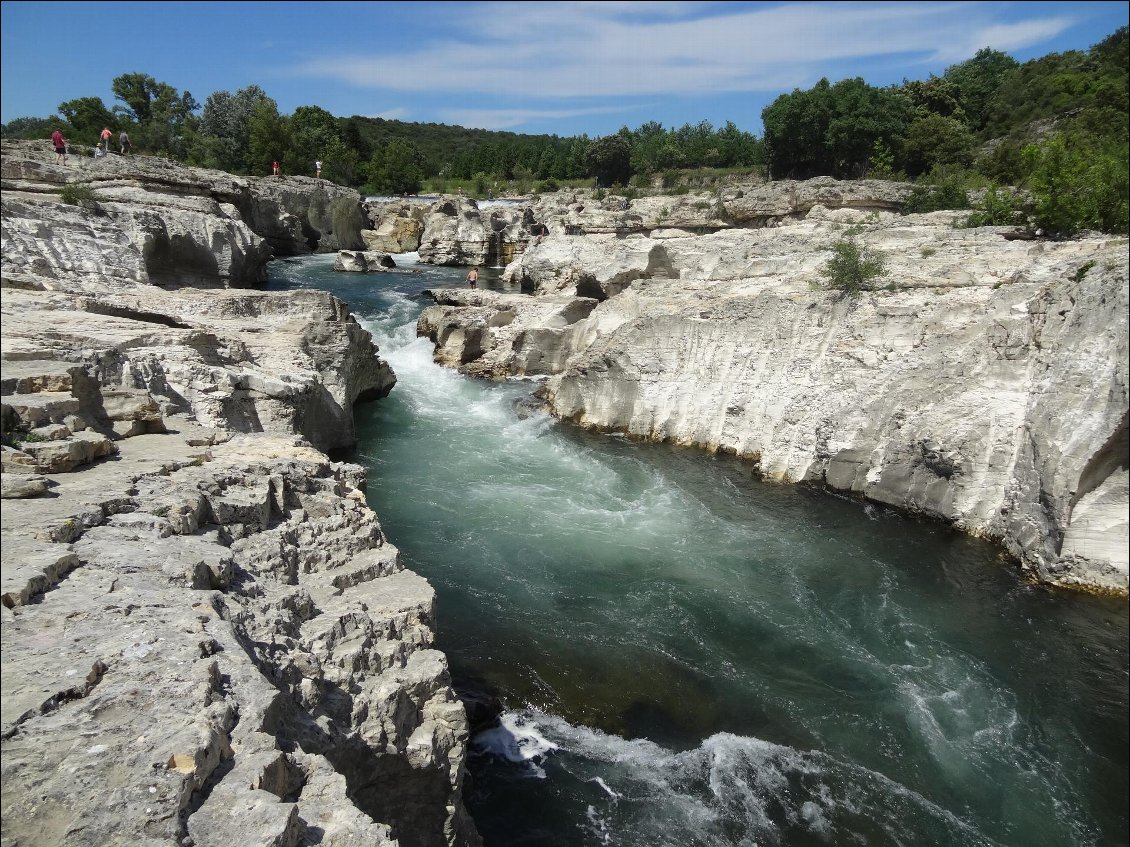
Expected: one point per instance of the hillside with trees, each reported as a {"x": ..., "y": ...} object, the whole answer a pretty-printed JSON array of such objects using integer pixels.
[{"x": 1055, "y": 126}]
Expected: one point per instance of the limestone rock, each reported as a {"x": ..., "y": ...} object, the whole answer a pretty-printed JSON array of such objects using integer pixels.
[
  {"x": 953, "y": 390},
  {"x": 363, "y": 261}
]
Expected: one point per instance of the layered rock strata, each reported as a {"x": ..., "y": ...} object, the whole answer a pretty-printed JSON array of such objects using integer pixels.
[
  {"x": 207, "y": 638},
  {"x": 984, "y": 382}
]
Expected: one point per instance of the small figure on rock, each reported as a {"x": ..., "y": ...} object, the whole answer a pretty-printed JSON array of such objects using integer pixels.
[
  {"x": 275, "y": 167},
  {"x": 98, "y": 151},
  {"x": 60, "y": 146},
  {"x": 104, "y": 138},
  {"x": 473, "y": 277},
  {"x": 318, "y": 169},
  {"x": 123, "y": 142}
]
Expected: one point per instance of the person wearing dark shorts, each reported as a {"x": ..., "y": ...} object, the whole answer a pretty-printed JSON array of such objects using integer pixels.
[
  {"x": 60, "y": 146},
  {"x": 123, "y": 142},
  {"x": 473, "y": 278}
]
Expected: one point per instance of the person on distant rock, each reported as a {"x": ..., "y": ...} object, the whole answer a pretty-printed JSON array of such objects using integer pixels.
[
  {"x": 123, "y": 142},
  {"x": 98, "y": 151},
  {"x": 473, "y": 278},
  {"x": 104, "y": 138},
  {"x": 318, "y": 169},
  {"x": 275, "y": 166},
  {"x": 60, "y": 146}
]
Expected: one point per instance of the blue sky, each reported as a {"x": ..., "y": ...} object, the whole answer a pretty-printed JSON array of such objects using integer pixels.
[{"x": 536, "y": 67}]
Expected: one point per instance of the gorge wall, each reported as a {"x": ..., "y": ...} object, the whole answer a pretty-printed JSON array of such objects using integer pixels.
[
  {"x": 207, "y": 638},
  {"x": 983, "y": 383}
]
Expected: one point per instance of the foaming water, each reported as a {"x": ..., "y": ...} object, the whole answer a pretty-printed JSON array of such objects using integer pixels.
[{"x": 689, "y": 656}]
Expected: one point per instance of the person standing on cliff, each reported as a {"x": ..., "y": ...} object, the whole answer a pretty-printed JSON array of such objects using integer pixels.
[
  {"x": 123, "y": 142},
  {"x": 473, "y": 278},
  {"x": 60, "y": 146},
  {"x": 318, "y": 169},
  {"x": 275, "y": 166},
  {"x": 104, "y": 137}
]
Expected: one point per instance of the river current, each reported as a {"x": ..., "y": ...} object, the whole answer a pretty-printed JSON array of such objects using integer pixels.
[{"x": 688, "y": 656}]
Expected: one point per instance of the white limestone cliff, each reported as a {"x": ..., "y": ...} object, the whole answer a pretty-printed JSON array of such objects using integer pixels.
[{"x": 983, "y": 383}]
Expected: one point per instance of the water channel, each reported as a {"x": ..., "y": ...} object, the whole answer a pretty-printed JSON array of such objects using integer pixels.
[{"x": 688, "y": 656}]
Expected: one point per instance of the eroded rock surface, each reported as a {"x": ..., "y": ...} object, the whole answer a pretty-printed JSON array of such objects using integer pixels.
[
  {"x": 206, "y": 637},
  {"x": 983, "y": 383}
]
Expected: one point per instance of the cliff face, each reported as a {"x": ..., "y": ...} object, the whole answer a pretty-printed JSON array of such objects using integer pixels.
[
  {"x": 207, "y": 637},
  {"x": 984, "y": 384}
]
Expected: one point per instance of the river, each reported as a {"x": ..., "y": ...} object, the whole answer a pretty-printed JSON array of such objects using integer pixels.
[{"x": 688, "y": 656}]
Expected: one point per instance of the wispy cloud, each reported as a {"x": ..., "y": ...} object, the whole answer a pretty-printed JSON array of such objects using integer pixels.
[
  {"x": 583, "y": 50},
  {"x": 399, "y": 113},
  {"x": 507, "y": 118}
]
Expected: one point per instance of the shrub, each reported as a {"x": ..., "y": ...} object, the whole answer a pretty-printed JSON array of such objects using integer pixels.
[
  {"x": 77, "y": 194},
  {"x": 933, "y": 198},
  {"x": 853, "y": 267},
  {"x": 998, "y": 209},
  {"x": 548, "y": 184},
  {"x": 1078, "y": 183}
]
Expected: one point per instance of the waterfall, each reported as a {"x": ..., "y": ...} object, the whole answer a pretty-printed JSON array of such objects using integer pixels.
[{"x": 498, "y": 250}]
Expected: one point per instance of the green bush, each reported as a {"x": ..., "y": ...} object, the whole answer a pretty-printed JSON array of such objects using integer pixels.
[
  {"x": 77, "y": 193},
  {"x": 997, "y": 209},
  {"x": 1078, "y": 183},
  {"x": 933, "y": 198},
  {"x": 853, "y": 267}
]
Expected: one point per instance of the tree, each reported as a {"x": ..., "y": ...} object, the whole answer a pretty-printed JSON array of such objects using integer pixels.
[
  {"x": 397, "y": 168},
  {"x": 977, "y": 80},
  {"x": 28, "y": 127},
  {"x": 87, "y": 117},
  {"x": 609, "y": 159},
  {"x": 936, "y": 140},
  {"x": 226, "y": 124},
  {"x": 795, "y": 128},
  {"x": 164, "y": 117},
  {"x": 268, "y": 139},
  {"x": 832, "y": 129},
  {"x": 314, "y": 137}
]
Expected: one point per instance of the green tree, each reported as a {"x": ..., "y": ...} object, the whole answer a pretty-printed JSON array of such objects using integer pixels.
[
  {"x": 164, "y": 117},
  {"x": 977, "y": 80},
  {"x": 225, "y": 125},
  {"x": 937, "y": 140},
  {"x": 609, "y": 159},
  {"x": 87, "y": 116},
  {"x": 396, "y": 168},
  {"x": 268, "y": 139},
  {"x": 28, "y": 128}
]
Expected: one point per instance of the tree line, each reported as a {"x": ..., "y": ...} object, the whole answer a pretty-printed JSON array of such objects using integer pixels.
[{"x": 1056, "y": 125}]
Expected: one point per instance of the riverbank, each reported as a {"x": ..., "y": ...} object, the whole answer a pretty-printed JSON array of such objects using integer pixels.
[{"x": 207, "y": 636}]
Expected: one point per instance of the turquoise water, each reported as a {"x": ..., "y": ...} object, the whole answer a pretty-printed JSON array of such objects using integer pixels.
[{"x": 687, "y": 656}]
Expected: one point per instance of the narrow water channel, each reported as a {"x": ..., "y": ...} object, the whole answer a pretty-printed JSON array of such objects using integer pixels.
[{"x": 687, "y": 656}]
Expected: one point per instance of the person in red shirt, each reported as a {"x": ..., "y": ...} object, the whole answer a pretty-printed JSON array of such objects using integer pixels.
[
  {"x": 276, "y": 167},
  {"x": 105, "y": 136},
  {"x": 60, "y": 146}
]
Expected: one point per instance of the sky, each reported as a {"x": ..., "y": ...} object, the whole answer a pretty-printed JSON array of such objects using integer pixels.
[{"x": 529, "y": 67}]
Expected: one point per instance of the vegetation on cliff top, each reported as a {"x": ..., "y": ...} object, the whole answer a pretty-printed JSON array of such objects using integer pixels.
[{"x": 1056, "y": 126}]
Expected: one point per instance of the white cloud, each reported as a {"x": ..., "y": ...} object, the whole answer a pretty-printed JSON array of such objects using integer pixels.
[
  {"x": 578, "y": 50},
  {"x": 399, "y": 113},
  {"x": 506, "y": 118}
]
